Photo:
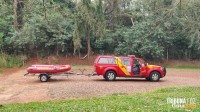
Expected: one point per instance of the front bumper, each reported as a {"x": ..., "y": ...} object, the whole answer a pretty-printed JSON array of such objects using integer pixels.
[{"x": 164, "y": 71}]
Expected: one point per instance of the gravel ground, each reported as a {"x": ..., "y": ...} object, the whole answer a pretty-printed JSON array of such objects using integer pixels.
[{"x": 15, "y": 88}]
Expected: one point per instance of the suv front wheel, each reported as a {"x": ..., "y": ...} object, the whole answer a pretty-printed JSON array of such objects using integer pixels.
[
  {"x": 110, "y": 76},
  {"x": 154, "y": 76}
]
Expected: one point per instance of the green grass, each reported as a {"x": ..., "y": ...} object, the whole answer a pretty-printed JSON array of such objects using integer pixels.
[
  {"x": 154, "y": 101},
  {"x": 76, "y": 66},
  {"x": 185, "y": 67}
]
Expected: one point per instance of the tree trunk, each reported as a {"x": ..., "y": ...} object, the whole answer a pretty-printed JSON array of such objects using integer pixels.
[
  {"x": 189, "y": 54},
  {"x": 88, "y": 44},
  {"x": 154, "y": 5},
  {"x": 186, "y": 52},
  {"x": 15, "y": 7},
  {"x": 167, "y": 54},
  {"x": 45, "y": 11},
  {"x": 57, "y": 50},
  {"x": 180, "y": 7},
  {"x": 79, "y": 52}
]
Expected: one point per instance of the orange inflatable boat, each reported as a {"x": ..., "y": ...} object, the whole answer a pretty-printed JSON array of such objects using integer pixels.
[{"x": 50, "y": 69}]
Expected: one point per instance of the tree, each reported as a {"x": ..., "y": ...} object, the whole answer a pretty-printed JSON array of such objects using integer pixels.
[
  {"x": 153, "y": 29},
  {"x": 88, "y": 17},
  {"x": 17, "y": 11},
  {"x": 44, "y": 32}
]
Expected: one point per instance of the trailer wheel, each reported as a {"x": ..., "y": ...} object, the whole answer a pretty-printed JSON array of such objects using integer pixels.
[
  {"x": 44, "y": 77},
  {"x": 110, "y": 76}
]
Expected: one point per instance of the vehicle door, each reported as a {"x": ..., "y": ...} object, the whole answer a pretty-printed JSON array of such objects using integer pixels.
[
  {"x": 143, "y": 67},
  {"x": 139, "y": 67},
  {"x": 124, "y": 64},
  {"x": 136, "y": 67}
]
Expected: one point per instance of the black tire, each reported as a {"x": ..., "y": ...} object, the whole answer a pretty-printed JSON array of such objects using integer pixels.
[
  {"x": 110, "y": 76},
  {"x": 44, "y": 77},
  {"x": 154, "y": 76}
]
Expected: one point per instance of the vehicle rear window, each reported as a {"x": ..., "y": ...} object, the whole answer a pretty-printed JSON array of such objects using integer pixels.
[
  {"x": 107, "y": 61},
  {"x": 126, "y": 61}
]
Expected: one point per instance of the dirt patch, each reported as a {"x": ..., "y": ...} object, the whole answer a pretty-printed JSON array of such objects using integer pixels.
[
  {"x": 7, "y": 71},
  {"x": 17, "y": 88},
  {"x": 1, "y": 90}
]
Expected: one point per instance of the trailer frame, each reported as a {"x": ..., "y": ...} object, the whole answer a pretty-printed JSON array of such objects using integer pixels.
[{"x": 44, "y": 77}]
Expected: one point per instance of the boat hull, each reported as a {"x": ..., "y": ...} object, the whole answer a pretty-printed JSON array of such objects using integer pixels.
[{"x": 50, "y": 69}]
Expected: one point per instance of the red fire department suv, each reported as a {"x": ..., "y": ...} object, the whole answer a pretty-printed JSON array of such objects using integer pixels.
[{"x": 111, "y": 67}]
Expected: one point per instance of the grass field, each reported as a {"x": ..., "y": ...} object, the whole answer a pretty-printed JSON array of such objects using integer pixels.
[{"x": 154, "y": 101}]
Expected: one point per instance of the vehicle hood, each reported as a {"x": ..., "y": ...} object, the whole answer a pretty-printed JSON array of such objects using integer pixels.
[{"x": 153, "y": 66}]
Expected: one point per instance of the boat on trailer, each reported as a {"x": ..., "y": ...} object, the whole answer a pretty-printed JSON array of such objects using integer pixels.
[
  {"x": 45, "y": 72},
  {"x": 50, "y": 69}
]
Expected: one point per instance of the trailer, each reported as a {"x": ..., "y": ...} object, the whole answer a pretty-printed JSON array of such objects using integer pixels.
[{"x": 45, "y": 72}]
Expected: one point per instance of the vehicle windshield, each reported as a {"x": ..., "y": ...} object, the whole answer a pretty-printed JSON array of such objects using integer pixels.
[{"x": 142, "y": 61}]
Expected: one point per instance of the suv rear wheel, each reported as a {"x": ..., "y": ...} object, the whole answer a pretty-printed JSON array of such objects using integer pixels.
[{"x": 110, "y": 76}]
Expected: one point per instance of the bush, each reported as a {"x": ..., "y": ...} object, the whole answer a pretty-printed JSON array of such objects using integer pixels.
[{"x": 9, "y": 61}]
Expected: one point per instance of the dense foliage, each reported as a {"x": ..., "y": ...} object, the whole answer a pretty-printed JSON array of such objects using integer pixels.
[{"x": 164, "y": 29}]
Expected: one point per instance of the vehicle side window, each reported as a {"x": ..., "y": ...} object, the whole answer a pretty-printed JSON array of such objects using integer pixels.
[
  {"x": 126, "y": 61},
  {"x": 107, "y": 61}
]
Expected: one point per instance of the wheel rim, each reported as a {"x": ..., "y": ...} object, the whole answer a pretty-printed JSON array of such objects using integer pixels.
[
  {"x": 155, "y": 76},
  {"x": 43, "y": 78},
  {"x": 111, "y": 76}
]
